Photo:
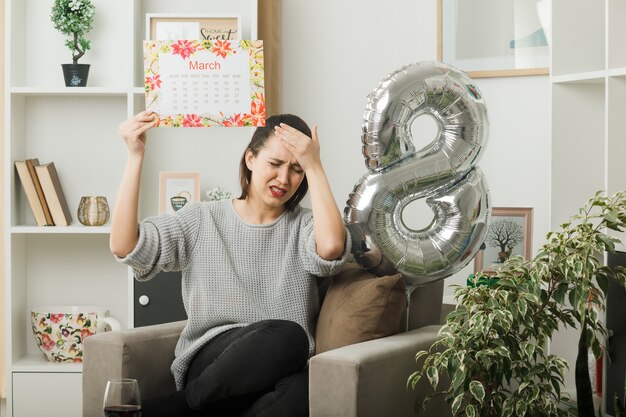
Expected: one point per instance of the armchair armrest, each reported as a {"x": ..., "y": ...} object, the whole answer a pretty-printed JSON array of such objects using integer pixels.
[
  {"x": 369, "y": 379},
  {"x": 143, "y": 353}
]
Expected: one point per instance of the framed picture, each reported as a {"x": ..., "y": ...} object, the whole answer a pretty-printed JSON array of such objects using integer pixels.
[
  {"x": 509, "y": 234},
  {"x": 177, "y": 189},
  {"x": 494, "y": 38},
  {"x": 222, "y": 27}
]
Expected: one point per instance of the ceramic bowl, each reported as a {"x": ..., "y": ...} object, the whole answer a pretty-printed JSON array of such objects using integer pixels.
[{"x": 59, "y": 331}]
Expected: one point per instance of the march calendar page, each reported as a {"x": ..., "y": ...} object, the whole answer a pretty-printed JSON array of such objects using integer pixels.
[{"x": 205, "y": 83}]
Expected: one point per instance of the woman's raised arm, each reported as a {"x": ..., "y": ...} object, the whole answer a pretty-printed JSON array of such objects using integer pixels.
[{"x": 124, "y": 225}]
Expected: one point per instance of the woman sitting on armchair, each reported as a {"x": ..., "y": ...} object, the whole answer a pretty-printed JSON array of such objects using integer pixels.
[{"x": 248, "y": 267}]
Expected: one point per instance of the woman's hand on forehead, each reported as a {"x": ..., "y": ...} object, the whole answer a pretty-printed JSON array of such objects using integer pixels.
[{"x": 306, "y": 150}]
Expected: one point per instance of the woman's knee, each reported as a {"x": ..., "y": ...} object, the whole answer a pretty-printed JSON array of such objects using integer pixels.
[
  {"x": 288, "y": 335},
  {"x": 289, "y": 399}
]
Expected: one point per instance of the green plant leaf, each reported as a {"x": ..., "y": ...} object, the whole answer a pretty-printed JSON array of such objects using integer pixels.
[
  {"x": 477, "y": 390},
  {"x": 568, "y": 319},
  {"x": 522, "y": 306},
  {"x": 458, "y": 378},
  {"x": 596, "y": 348},
  {"x": 420, "y": 354},
  {"x": 456, "y": 404},
  {"x": 414, "y": 379},
  {"x": 559, "y": 293},
  {"x": 514, "y": 310},
  {"x": 502, "y": 351},
  {"x": 535, "y": 394},
  {"x": 461, "y": 356},
  {"x": 496, "y": 402},
  {"x": 520, "y": 408},
  {"x": 507, "y": 283},
  {"x": 614, "y": 226},
  {"x": 426, "y": 401},
  {"x": 522, "y": 386},
  {"x": 470, "y": 411},
  {"x": 433, "y": 376},
  {"x": 508, "y": 407},
  {"x": 573, "y": 298},
  {"x": 419, "y": 406},
  {"x": 603, "y": 282},
  {"x": 607, "y": 241},
  {"x": 611, "y": 217}
]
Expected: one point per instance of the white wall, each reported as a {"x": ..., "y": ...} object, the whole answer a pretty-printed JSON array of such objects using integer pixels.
[{"x": 336, "y": 52}]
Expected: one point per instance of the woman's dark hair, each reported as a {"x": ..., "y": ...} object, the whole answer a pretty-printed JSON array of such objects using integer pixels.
[{"x": 258, "y": 141}]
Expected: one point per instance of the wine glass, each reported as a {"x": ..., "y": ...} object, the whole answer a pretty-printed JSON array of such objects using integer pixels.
[{"x": 122, "y": 399}]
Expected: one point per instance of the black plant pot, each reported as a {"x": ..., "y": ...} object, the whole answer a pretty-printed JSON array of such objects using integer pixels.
[{"x": 75, "y": 74}]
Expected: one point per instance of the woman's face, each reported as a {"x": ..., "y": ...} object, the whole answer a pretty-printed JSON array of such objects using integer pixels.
[{"x": 276, "y": 175}]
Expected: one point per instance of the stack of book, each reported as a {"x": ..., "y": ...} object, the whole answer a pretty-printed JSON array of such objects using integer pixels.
[{"x": 44, "y": 192}]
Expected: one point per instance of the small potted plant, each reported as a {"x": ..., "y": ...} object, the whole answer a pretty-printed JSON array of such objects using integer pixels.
[
  {"x": 74, "y": 18},
  {"x": 218, "y": 193}
]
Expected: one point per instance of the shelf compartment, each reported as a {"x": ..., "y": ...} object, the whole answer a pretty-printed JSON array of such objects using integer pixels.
[
  {"x": 66, "y": 125},
  {"x": 247, "y": 9},
  {"x": 616, "y": 135},
  {"x": 36, "y": 65},
  {"x": 578, "y": 144},
  {"x": 45, "y": 272},
  {"x": 578, "y": 36},
  {"x": 617, "y": 34}
]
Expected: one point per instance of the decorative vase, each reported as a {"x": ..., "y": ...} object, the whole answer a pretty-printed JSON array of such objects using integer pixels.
[
  {"x": 93, "y": 210},
  {"x": 75, "y": 74}
]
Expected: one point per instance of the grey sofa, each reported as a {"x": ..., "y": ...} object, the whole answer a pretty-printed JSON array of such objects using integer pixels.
[{"x": 366, "y": 379}]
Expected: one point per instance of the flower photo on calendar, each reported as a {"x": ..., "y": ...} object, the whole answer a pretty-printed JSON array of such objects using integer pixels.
[{"x": 205, "y": 83}]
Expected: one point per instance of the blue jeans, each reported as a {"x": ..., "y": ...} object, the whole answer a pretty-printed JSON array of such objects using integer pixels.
[{"x": 257, "y": 370}]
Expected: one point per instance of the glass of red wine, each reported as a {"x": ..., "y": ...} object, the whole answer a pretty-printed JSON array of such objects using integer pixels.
[{"x": 122, "y": 399}]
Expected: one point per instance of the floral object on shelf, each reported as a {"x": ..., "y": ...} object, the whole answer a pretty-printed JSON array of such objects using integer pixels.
[
  {"x": 60, "y": 337},
  {"x": 218, "y": 193},
  {"x": 74, "y": 18},
  {"x": 59, "y": 331}
]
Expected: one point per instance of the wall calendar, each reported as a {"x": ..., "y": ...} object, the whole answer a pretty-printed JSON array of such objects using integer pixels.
[{"x": 205, "y": 83}]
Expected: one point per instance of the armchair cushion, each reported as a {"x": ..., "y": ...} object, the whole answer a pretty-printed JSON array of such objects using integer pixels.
[{"x": 358, "y": 306}]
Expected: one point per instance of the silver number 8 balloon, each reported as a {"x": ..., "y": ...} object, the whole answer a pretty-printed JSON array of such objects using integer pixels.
[{"x": 444, "y": 173}]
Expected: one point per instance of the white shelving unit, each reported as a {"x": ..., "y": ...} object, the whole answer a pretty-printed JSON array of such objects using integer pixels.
[
  {"x": 588, "y": 108},
  {"x": 77, "y": 128}
]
